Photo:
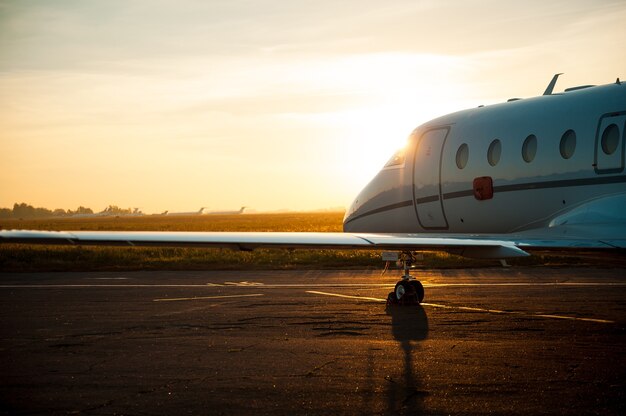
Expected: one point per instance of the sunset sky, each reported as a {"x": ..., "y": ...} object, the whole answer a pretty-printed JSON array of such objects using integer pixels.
[{"x": 174, "y": 105}]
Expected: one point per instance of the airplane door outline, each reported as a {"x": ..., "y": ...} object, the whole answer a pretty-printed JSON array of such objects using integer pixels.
[
  {"x": 427, "y": 160},
  {"x": 610, "y": 163}
]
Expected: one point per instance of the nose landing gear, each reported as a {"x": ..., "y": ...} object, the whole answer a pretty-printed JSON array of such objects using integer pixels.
[{"x": 408, "y": 291}]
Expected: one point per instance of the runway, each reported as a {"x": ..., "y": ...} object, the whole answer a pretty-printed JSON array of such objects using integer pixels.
[{"x": 497, "y": 341}]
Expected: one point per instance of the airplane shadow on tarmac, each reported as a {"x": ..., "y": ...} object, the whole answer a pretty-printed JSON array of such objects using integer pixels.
[{"x": 409, "y": 326}]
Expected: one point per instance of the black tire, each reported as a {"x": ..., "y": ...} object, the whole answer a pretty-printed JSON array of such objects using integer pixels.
[
  {"x": 405, "y": 292},
  {"x": 419, "y": 290}
]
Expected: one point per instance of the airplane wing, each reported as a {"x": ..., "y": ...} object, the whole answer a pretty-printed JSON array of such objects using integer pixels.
[
  {"x": 476, "y": 246},
  {"x": 584, "y": 230},
  {"x": 246, "y": 241}
]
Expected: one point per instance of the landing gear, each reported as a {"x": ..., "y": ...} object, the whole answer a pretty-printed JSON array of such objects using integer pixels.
[{"x": 408, "y": 291}]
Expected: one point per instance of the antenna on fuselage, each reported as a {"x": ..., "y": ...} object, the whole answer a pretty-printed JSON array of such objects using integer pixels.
[{"x": 551, "y": 85}]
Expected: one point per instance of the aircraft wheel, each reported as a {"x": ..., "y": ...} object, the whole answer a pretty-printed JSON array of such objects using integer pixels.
[
  {"x": 419, "y": 290},
  {"x": 405, "y": 292}
]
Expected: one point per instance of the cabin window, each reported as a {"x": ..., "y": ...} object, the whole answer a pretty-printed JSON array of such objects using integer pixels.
[
  {"x": 397, "y": 159},
  {"x": 568, "y": 144},
  {"x": 610, "y": 139},
  {"x": 494, "y": 151},
  {"x": 462, "y": 155},
  {"x": 529, "y": 148}
]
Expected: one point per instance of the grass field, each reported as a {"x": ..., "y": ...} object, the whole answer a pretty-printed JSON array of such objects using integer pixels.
[{"x": 28, "y": 258}]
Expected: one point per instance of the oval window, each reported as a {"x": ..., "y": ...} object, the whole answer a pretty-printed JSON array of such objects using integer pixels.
[
  {"x": 610, "y": 139},
  {"x": 462, "y": 155},
  {"x": 568, "y": 144},
  {"x": 493, "y": 154},
  {"x": 529, "y": 148}
]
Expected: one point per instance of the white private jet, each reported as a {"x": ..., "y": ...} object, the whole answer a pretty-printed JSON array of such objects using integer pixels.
[{"x": 544, "y": 173}]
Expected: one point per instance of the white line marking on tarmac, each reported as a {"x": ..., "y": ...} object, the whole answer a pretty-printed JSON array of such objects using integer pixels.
[
  {"x": 538, "y": 315},
  {"x": 527, "y": 284},
  {"x": 301, "y": 285},
  {"x": 207, "y": 297},
  {"x": 602, "y": 321},
  {"x": 244, "y": 284},
  {"x": 314, "y": 292},
  {"x": 471, "y": 309}
]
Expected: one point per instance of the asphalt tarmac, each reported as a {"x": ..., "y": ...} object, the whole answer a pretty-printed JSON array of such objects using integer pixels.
[{"x": 486, "y": 341}]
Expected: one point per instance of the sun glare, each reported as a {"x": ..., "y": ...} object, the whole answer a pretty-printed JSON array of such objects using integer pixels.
[
  {"x": 373, "y": 135},
  {"x": 396, "y": 100}
]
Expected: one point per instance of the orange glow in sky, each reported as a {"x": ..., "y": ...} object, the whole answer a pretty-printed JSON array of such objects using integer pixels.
[{"x": 270, "y": 104}]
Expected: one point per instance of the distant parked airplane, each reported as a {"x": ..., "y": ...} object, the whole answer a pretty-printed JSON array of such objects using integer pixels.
[
  {"x": 199, "y": 212},
  {"x": 226, "y": 212}
]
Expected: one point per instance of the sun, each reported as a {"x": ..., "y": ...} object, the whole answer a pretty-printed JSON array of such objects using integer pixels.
[
  {"x": 387, "y": 97},
  {"x": 373, "y": 134}
]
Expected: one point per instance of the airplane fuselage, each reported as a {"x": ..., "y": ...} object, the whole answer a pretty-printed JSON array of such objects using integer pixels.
[{"x": 501, "y": 168}]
